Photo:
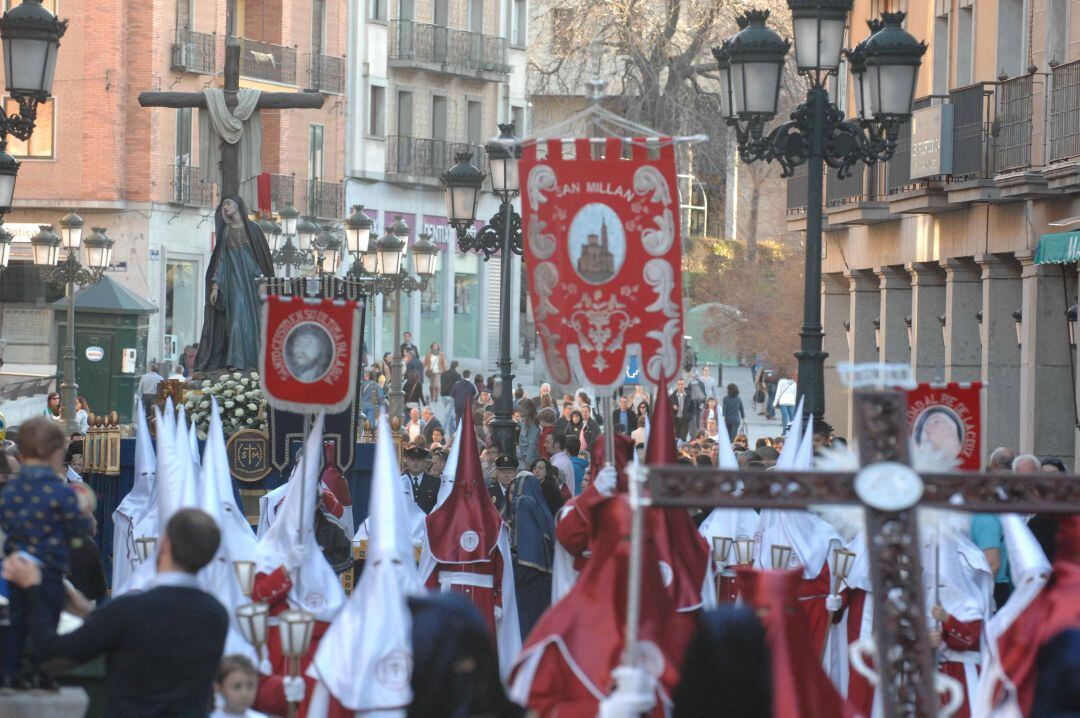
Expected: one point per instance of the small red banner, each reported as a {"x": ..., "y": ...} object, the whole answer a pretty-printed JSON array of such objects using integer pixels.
[
  {"x": 310, "y": 353},
  {"x": 948, "y": 419},
  {"x": 603, "y": 250}
]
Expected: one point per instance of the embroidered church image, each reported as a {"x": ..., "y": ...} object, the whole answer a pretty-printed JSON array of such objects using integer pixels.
[{"x": 596, "y": 263}]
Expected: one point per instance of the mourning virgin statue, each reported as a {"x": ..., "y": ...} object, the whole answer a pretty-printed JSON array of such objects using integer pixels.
[{"x": 231, "y": 316}]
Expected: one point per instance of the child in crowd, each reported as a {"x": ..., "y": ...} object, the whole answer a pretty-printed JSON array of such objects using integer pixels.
[
  {"x": 42, "y": 519},
  {"x": 235, "y": 686}
]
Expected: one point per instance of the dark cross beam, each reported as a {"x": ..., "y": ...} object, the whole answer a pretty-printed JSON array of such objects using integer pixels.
[
  {"x": 230, "y": 154},
  {"x": 904, "y": 656}
]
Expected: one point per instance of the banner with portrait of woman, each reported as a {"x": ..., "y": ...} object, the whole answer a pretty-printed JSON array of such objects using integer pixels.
[
  {"x": 310, "y": 353},
  {"x": 947, "y": 419}
]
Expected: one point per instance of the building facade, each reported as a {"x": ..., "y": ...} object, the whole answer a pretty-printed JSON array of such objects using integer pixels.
[
  {"x": 943, "y": 257},
  {"x": 432, "y": 79},
  {"x": 134, "y": 170}
]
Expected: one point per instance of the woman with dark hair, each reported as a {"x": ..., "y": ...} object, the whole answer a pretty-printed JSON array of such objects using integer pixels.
[
  {"x": 414, "y": 392},
  {"x": 726, "y": 672},
  {"x": 711, "y": 410},
  {"x": 233, "y": 307},
  {"x": 643, "y": 409},
  {"x": 529, "y": 435},
  {"x": 384, "y": 366},
  {"x": 52, "y": 406},
  {"x": 548, "y": 476},
  {"x": 1045, "y": 526},
  {"x": 455, "y": 672},
  {"x": 82, "y": 413},
  {"x": 733, "y": 410},
  {"x": 575, "y": 425}
]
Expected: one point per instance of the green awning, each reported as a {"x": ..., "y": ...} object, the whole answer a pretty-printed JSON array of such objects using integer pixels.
[{"x": 1058, "y": 248}]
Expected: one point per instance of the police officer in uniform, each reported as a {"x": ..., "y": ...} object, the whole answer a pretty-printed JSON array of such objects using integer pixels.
[
  {"x": 506, "y": 468},
  {"x": 425, "y": 486}
]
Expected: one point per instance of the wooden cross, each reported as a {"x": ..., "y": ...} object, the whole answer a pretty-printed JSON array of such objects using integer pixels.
[
  {"x": 230, "y": 154},
  {"x": 890, "y": 495}
]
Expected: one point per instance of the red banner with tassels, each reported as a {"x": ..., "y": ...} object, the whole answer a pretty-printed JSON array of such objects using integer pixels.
[
  {"x": 603, "y": 248},
  {"x": 947, "y": 419}
]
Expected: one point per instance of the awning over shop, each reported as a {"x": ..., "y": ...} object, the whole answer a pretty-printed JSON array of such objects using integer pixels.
[{"x": 1058, "y": 248}]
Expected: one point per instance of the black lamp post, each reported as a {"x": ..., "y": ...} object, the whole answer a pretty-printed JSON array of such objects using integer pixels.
[
  {"x": 502, "y": 233},
  {"x": 289, "y": 255},
  {"x": 751, "y": 65},
  {"x": 73, "y": 273}
]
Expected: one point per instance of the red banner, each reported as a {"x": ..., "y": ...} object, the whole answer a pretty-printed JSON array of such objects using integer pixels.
[
  {"x": 947, "y": 418},
  {"x": 310, "y": 353},
  {"x": 603, "y": 249}
]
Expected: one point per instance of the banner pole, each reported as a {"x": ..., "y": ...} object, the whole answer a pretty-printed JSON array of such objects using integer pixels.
[
  {"x": 609, "y": 432},
  {"x": 633, "y": 590},
  {"x": 304, "y": 458}
]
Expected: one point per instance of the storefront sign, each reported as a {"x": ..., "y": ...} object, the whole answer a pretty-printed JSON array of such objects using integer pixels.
[
  {"x": 603, "y": 251},
  {"x": 931, "y": 141},
  {"x": 946, "y": 419}
]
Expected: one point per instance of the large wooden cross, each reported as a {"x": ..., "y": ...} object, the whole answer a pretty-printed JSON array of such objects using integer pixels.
[
  {"x": 890, "y": 493},
  {"x": 230, "y": 154}
]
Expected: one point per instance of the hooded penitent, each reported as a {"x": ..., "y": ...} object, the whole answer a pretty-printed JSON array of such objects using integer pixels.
[
  {"x": 468, "y": 549},
  {"x": 136, "y": 516},
  {"x": 565, "y": 667},
  {"x": 371, "y": 636}
]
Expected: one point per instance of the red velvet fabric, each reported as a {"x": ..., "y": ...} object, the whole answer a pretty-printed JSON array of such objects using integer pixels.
[
  {"x": 801, "y": 689},
  {"x": 860, "y": 693},
  {"x": 1054, "y": 610}
]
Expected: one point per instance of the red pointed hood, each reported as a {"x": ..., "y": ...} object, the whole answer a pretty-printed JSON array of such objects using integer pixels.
[
  {"x": 588, "y": 625},
  {"x": 801, "y": 688},
  {"x": 678, "y": 542},
  {"x": 661, "y": 447},
  {"x": 624, "y": 456},
  {"x": 465, "y": 528}
]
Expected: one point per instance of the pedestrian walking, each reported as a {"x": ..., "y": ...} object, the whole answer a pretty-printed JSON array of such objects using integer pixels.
[
  {"x": 733, "y": 410},
  {"x": 434, "y": 366}
]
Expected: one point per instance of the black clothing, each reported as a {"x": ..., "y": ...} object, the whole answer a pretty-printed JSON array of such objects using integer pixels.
[
  {"x": 414, "y": 392},
  {"x": 498, "y": 497},
  {"x": 432, "y": 426},
  {"x": 87, "y": 572},
  {"x": 1045, "y": 528},
  {"x": 552, "y": 496},
  {"x": 447, "y": 381},
  {"x": 463, "y": 392},
  {"x": 425, "y": 490},
  {"x": 561, "y": 424},
  {"x": 626, "y": 417},
  {"x": 409, "y": 347},
  {"x": 591, "y": 430},
  {"x": 161, "y": 648}
]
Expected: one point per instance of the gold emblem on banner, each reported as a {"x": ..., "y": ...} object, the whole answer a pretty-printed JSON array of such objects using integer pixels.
[{"x": 249, "y": 455}]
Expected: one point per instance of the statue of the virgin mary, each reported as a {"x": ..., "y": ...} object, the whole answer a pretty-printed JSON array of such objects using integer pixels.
[{"x": 230, "y": 336}]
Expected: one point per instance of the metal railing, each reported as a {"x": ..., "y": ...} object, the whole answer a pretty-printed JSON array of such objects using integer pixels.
[
  {"x": 326, "y": 73},
  {"x": 324, "y": 199},
  {"x": 282, "y": 191},
  {"x": 1015, "y": 108},
  {"x": 973, "y": 131},
  {"x": 796, "y": 191},
  {"x": 194, "y": 52},
  {"x": 189, "y": 189},
  {"x": 455, "y": 50},
  {"x": 898, "y": 168},
  {"x": 864, "y": 184},
  {"x": 423, "y": 157},
  {"x": 1065, "y": 111},
  {"x": 267, "y": 61},
  {"x": 17, "y": 386}
]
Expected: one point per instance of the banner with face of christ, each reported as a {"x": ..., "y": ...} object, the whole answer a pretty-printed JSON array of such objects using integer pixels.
[
  {"x": 310, "y": 353},
  {"x": 603, "y": 249}
]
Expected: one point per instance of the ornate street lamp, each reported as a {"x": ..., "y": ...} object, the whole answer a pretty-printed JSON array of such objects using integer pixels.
[
  {"x": 885, "y": 67},
  {"x": 288, "y": 216},
  {"x": 9, "y": 170},
  {"x": 31, "y": 36},
  {"x": 501, "y": 233},
  {"x": 1070, "y": 313},
  {"x": 306, "y": 231},
  {"x": 1018, "y": 322},
  {"x": 72, "y": 272},
  {"x": 289, "y": 255},
  {"x": 327, "y": 250},
  {"x": 358, "y": 231},
  {"x": 5, "y": 248}
]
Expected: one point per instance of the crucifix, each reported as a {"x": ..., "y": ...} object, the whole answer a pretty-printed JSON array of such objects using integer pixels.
[
  {"x": 230, "y": 153},
  {"x": 890, "y": 492}
]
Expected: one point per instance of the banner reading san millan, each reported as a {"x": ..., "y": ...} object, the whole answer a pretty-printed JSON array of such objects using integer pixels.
[
  {"x": 602, "y": 245},
  {"x": 309, "y": 353}
]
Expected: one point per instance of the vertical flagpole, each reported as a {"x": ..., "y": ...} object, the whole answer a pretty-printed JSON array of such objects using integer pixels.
[
  {"x": 304, "y": 458},
  {"x": 636, "y": 476}
]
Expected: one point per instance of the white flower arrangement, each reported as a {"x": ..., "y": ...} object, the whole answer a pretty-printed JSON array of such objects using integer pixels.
[{"x": 239, "y": 398}]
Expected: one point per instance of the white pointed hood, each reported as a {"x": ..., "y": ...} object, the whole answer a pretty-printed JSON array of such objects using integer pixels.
[
  {"x": 446, "y": 480},
  {"x": 726, "y": 521},
  {"x": 373, "y": 633},
  {"x": 315, "y": 588},
  {"x": 808, "y": 536},
  {"x": 136, "y": 515},
  {"x": 187, "y": 464}
]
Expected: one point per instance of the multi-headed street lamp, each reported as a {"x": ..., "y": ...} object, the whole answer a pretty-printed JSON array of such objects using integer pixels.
[
  {"x": 502, "y": 233},
  {"x": 884, "y": 68},
  {"x": 72, "y": 272}
]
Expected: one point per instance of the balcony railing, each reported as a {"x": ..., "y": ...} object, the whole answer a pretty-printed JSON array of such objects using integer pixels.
[
  {"x": 796, "y": 191},
  {"x": 1014, "y": 111},
  {"x": 423, "y": 158},
  {"x": 458, "y": 51},
  {"x": 194, "y": 52},
  {"x": 1065, "y": 112},
  {"x": 862, "y": 185},
  {"x": 898, "y": 168},
  {"x": 973, "y": 153},
  {"x": 324, "y": 199},
  {"x": 189, "y": 189},
  {"x": 266, "y": 61},
  {"x": 282, "y": 191},
  {"x": 326, "y": 73}
]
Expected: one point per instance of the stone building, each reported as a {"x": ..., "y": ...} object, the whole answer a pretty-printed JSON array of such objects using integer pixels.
[
  {"x": 134, "y": 170},
  {"x": 956, "y": 256}
]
